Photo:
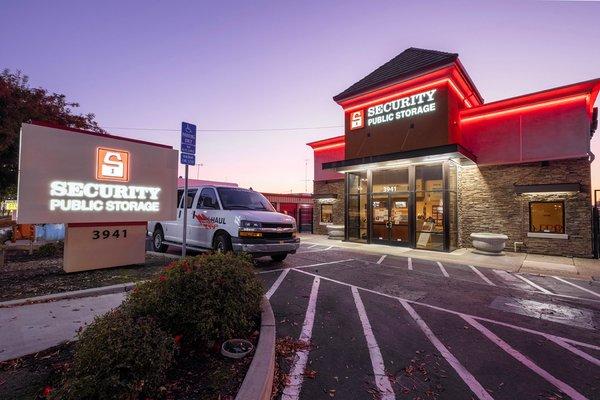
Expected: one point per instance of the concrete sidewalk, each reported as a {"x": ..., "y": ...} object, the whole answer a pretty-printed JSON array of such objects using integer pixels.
[
  {"x": 579, "y": 268},
  {"x": 31, "y": 328}
]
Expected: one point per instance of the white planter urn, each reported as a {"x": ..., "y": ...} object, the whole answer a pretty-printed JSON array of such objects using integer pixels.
[
  {"x": 489, "y": 242},
  {"x": 335, "y": 232}
]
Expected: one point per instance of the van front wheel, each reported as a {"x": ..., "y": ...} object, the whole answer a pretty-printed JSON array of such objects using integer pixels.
[
  {"x": 158, "y": 238},
  {"x": 222, "y": 243}
]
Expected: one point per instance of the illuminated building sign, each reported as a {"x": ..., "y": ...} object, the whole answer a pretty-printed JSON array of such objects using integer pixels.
[
  {"x": 404, "y": 107},
  {"x": 78, "y": 196}
]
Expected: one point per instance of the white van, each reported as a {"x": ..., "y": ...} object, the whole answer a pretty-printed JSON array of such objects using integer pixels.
[{"x": 225, "y": 218}]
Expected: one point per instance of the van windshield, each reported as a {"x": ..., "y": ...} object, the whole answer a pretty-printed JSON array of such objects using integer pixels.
[{"x": 242, "y": 199}]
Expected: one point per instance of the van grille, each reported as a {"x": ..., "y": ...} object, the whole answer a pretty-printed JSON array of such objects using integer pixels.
[
  {"x": 276, "y": 225},
  {"x": 278, "y": 235}
]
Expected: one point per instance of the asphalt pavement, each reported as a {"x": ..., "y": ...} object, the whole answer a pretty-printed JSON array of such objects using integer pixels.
[{"x": 391, "y": 327}]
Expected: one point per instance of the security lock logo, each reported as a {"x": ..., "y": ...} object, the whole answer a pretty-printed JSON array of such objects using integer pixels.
[
  {"x": 112, "y": 165},
  {"x": 357, "y": 119}
]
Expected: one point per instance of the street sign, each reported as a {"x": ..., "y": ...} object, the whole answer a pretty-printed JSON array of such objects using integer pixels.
[
  {"x": 188, "y": 159},
  {"x": 188, "y": 143},
  {"x": 188, "y": 148}
]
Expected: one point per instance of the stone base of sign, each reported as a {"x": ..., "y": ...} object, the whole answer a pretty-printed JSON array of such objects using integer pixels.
[{"x": 95, "y": 246}]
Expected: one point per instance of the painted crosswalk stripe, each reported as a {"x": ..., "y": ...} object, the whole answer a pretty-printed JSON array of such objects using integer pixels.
[
  {"x": 482, "y": 276},
  {"x": 465, "y": 375},
  {"x": 577, "y": 286},
  {"x": 382, "y": 381},
  {"x": 294, "y": 383},
  {"x": 381, "y": 259},
  {"x": 535, "y": 285},
  {"x": 562, "y": 386},
  {"x": 410, "y": 267},
  {"x": 276, "y": 284},
  {"x": 444, "y": 272}
]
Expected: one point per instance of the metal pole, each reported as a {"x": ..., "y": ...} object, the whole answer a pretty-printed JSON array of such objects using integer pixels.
[{"x": 185, "y": 198}]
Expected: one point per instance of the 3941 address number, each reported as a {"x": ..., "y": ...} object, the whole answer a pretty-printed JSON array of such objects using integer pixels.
[{"x": 107, "y": 234}]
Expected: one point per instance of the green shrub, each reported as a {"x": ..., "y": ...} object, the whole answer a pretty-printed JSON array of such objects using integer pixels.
[
  {"x": 204, "y": 298},
  {"x": 118, "y": 357}
]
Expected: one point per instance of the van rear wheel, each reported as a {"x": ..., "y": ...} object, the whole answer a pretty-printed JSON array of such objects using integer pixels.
[
  {"x": 158, "y": 238},
  {"x": 278, "y": 257},
  {"x": 222, "y": 243}
]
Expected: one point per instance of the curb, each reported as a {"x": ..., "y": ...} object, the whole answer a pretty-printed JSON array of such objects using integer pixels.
[
  {"x": 76, "y": 294},
  {"x": 258, "y": 383}
]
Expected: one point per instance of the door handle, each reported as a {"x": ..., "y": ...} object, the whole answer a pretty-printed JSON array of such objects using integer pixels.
[
  {"x": 179, "y": 215},
  {"x": 193, "y": 214}
]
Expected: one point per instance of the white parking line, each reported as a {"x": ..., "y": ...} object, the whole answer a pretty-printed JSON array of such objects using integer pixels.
[
  {"x": 410, "y": 267},
  {"x": 381, "y": 259},
  {"x": 315, "y": 251},
  {"x": 574, "y": 350},
  {"x": 304, "y": 266},
  {"x": 465, "y": 375},
  {"x": 276, "y": 284},
  {"x": 493, "y": 321},
  {"x": 535, "y": 285},
  {"x": 444, "y": 272},
  {"x": 482, "y": 276},
  {"x": 382, "y": 381},
  {"x": 577, "y": 286},
  {"x": 562, "y": 386},
  {"x": 294, "y": 383},
  {"x": 311, "y": 246}
]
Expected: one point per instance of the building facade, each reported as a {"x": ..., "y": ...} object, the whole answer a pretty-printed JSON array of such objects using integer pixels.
[{"x": 424, "y": 162}]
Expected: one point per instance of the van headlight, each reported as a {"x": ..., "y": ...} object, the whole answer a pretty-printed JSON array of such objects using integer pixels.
[{"x": 250, "y": 224}]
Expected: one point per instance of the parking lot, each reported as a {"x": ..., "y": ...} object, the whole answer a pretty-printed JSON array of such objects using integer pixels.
[{"x": 385, "y": 327}]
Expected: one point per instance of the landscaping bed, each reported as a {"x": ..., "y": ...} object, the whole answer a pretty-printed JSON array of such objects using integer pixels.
[
  {"x": 163, "y": 342},
  {"x": 41, "y": 273},
  {"x": 205, "y": 376}
]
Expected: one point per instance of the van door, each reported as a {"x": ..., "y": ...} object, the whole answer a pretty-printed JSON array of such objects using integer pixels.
[
  {"x": 187, "y": 202},
  {"x": 172, "y": 228},
  {"x": 206, "y": 217}
]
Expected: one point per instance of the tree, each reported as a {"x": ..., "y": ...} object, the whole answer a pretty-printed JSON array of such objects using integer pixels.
[{"x": 20, "y": 103}]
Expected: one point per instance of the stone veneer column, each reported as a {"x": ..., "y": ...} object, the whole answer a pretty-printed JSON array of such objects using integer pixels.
[
  {"x": 328, "y": 187},
  {"x": 488, "y": 203}
]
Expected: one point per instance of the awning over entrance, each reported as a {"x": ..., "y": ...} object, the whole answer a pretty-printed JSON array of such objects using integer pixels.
[{"x": 453, "y": 152}]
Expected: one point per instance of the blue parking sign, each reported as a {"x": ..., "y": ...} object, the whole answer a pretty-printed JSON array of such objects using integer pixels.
[
  {"x": 188, "y": 148},
  {"x": 189, "y": 159},
  {"x": 188, "y": 143}
]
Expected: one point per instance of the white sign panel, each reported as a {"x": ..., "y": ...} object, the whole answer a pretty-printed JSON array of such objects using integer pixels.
[{"x": 68, "y": 176}]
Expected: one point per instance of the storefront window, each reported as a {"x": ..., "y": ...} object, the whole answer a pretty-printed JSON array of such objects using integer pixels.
[
  {"x": 326, "y": 213},
  {"x": 357, "y": 217},
  {"x": 430, "y": 220},
  {"x": 547, "y": 216},
  {"x": 429, "y": 177},
  {"x": 390, "y": 180},
  {"x": 357, "y": 183}
]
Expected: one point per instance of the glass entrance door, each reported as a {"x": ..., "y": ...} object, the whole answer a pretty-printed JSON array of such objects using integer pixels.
[{"x": 390, "y": 221}]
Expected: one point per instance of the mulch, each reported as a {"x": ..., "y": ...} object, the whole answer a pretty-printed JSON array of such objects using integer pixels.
[{"x": 26, "y": 275}]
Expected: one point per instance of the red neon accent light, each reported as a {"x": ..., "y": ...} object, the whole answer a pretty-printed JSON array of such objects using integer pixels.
[
  {"x": 329, "y": 146},
  {"x": 529, "y": 107},
  {"x": 407, "y": 92}
]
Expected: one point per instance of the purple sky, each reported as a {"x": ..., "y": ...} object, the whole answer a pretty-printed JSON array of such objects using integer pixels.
[{"x": 255, "y": 65}]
